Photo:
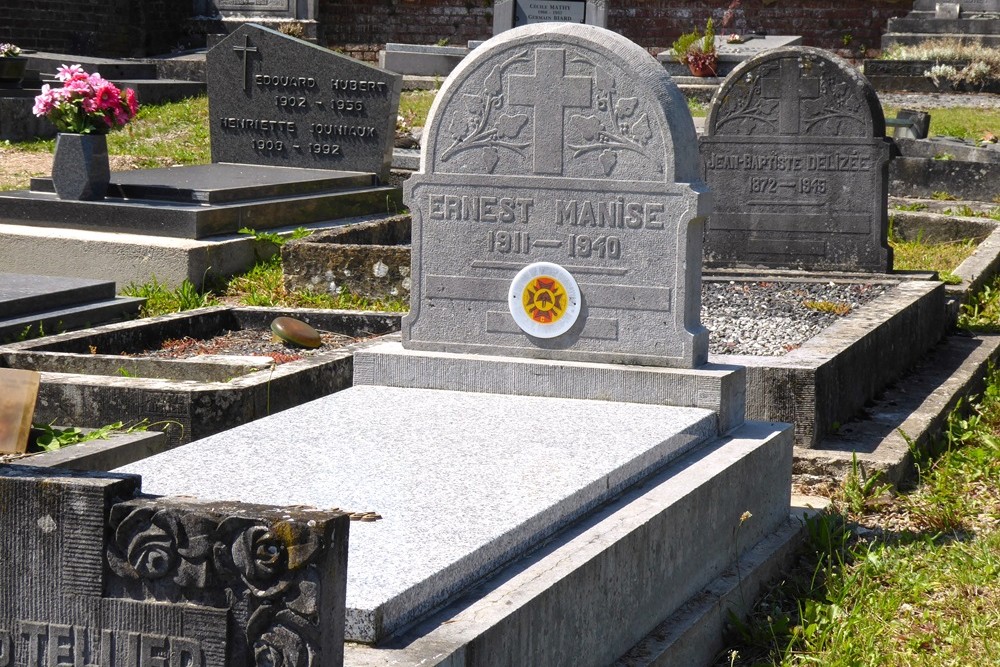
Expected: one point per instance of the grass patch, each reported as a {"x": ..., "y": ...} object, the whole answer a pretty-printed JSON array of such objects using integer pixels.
[
  {"x": 166, "y": 134},
  {"x": 414, "y": 106},
  {"x": 896, "y": 579},
  {"x": 263, "y": 286},
  {"x": 921, "y": 256},
  {"x": 161, "y": 300},
  {"x": 962, "y": 122}
]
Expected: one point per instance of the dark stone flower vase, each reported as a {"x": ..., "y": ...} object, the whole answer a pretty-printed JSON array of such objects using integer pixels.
[
  {"x": 80, "y": 169},
  {"x": 12, "y": 71}
]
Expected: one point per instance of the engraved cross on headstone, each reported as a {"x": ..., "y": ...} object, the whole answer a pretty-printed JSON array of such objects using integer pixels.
[
  {"x": 550, "y": 92},
  {"x": 790, "y": 88},
  {"x": 246, "y": 49}
]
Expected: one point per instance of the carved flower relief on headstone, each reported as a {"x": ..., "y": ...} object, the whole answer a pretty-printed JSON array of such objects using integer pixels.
[
  {"x": 603, "y": 122},
  {"x": 268, "y": 570},
  {"x": 797, "y": 95}
]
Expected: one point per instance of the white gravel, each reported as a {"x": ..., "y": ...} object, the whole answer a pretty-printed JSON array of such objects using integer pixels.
[{"x": 771, "y": 318}]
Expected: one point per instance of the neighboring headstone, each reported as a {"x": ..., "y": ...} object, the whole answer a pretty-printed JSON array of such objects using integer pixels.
[
  {"x": 18, "y": 393},
  {"x": 796, "y": 156},
  {"x": 910, "y": 124},
  {"x": 280, "y": 101},
  {"x": 96, "y": 574},
  {"x": 731, "y": 54},
  {"x": 557, "y": 212},
  {"x": 509, "y": 14}
]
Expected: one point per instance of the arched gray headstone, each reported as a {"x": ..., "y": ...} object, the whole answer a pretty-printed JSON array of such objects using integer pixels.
[
  {"x": 796, "y": 157},
  {"x": 565, "y": 145}
]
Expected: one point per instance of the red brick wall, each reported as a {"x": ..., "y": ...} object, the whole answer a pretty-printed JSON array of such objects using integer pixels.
[
  {"x": 360, "y": 27},
  {"x": 95, "y": 27}
]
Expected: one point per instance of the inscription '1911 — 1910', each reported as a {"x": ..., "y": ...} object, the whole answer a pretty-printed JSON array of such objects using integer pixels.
[{"x": 57, "y": 645}]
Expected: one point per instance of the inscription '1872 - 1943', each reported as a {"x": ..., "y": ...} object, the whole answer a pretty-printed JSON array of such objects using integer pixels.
[{"x": 56, "y": 645}]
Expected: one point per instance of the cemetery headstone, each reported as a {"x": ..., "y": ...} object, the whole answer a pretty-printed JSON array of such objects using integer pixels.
[
  {"x": 280, "y": 101},
  {"x": 97, "y": 574},
  {"x": 509, "y": 14},
  {"x": 558, "y": 209},
  {"x": 796, "y": 156},
  {"x": 18, "y": 392}
]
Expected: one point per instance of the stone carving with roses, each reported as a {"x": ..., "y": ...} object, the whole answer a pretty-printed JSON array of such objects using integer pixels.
[{"x": 265, "y": 569}]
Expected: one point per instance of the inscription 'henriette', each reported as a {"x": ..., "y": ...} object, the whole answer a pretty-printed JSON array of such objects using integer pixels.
[{"x": 57, "y": 645}]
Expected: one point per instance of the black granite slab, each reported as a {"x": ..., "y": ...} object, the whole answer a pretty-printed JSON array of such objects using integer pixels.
[
  {"x": 222, "y": 183},
  {"x": 21, "y": 294},
  {"x": 190, "y": 220}
]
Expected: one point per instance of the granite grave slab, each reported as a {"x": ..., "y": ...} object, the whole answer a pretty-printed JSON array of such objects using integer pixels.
[
  {"x": 731, "y": 54},
  {"x": 410, "y": 561},
  {"x": 99, "y": 574},
  {"x": 796, "y": 156},
  {"x": 557, "y": 155},
  {"x": 281, "y": 101},
  {"x": 972, "y": 21}
]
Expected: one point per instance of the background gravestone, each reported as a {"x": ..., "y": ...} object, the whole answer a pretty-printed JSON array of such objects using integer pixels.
[
  {"x": 280, "y": 101},
  {"x": 566, "y": 146},
  {"x": 796, "y": 157},
  {"x": 95, "y": 574},
  {"x": 509, "y": 14}
]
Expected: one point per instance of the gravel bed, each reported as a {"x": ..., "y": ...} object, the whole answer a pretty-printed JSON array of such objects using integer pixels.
[
  {"x": 772, "y": 318},
  {"x": 259, "y": 342}
]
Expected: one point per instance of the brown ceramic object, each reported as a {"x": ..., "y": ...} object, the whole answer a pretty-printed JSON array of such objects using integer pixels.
[{"x": 295, "y": 332}]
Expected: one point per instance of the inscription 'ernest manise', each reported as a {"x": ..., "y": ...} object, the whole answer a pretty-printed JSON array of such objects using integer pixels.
[
  {"x": 612, "y": 213},
  {"x": 57, "y": 645}
]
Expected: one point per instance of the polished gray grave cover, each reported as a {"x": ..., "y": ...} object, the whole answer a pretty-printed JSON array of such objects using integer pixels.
[
  {"x": 94, "y": 573},
  {"x": 558, "y": 209},
  {"x": 796, "y": 156},
  {"x": 280, "y": 101}
]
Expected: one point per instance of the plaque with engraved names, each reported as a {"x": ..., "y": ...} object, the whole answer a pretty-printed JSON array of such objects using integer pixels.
[
  {"x": 280, "y": 101},
  {"x": 796, "y": 157}
]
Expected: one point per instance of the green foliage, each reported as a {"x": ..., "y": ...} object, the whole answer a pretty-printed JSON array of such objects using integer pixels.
[
  {"x": 51, "y": 438},
  {"x": 695, "y": 44},
  {"x": 160, "y": 299},
  {"x": 913, "y": 206},
  {"x": 942, "y": 195},
  {"x": 835, "y": 307},
  {"x": 981, "y": 310},
  {"x": 413, "y": 109}
]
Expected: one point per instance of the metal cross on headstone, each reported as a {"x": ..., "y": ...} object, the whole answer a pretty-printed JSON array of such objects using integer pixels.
[
  {"x": 550, "y": 92},
  {"x": 789, "y": 88},
  {"x": 246, "y": 48}
]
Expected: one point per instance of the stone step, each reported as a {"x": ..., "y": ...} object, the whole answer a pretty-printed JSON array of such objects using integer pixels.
[
  {"x": 910, "y": 24},
  {"x": 47, "y": 64},
  {"x": 913, "y": 39},
  {"x": 159, "y": 91},
  {"x": 24, "y": 294},
  {"x": 67, "y": 319}
]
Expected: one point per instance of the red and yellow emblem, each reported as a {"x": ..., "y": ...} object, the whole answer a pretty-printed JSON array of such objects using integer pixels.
[{"x": 544, "y": 300}]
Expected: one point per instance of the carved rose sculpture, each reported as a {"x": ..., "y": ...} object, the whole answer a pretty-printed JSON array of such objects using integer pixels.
[
  {"x": 148, "y": 540},
  {"x": 284, "y": 642}
]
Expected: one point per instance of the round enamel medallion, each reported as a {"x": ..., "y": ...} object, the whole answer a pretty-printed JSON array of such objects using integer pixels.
[{"x": 544, "y": 300}]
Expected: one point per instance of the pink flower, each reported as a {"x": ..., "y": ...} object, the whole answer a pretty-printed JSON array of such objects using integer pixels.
[
  {"x": 132, "y": 101},
  {"x": 69, "y": 72},
  {"x": 108, "y": 96},
  {"x": 121, "y": 116},
  {"x": 43, "y": 102}
]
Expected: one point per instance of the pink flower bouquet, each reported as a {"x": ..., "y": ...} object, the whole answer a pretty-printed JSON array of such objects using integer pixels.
[{"x": 86, "y": 103}]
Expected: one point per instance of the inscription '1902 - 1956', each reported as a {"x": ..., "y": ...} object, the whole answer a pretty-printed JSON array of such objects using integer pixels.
[{"x": 57, "y": 645}]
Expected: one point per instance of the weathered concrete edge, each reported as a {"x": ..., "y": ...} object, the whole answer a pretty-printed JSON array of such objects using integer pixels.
[
  {"x": 925, "y": 418},
  {"x": 975, "y": 271},
  {"x": 695, "y": 634},
  {"x": 491, "y": 625},
  {"x": 101, "y": 455}
]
